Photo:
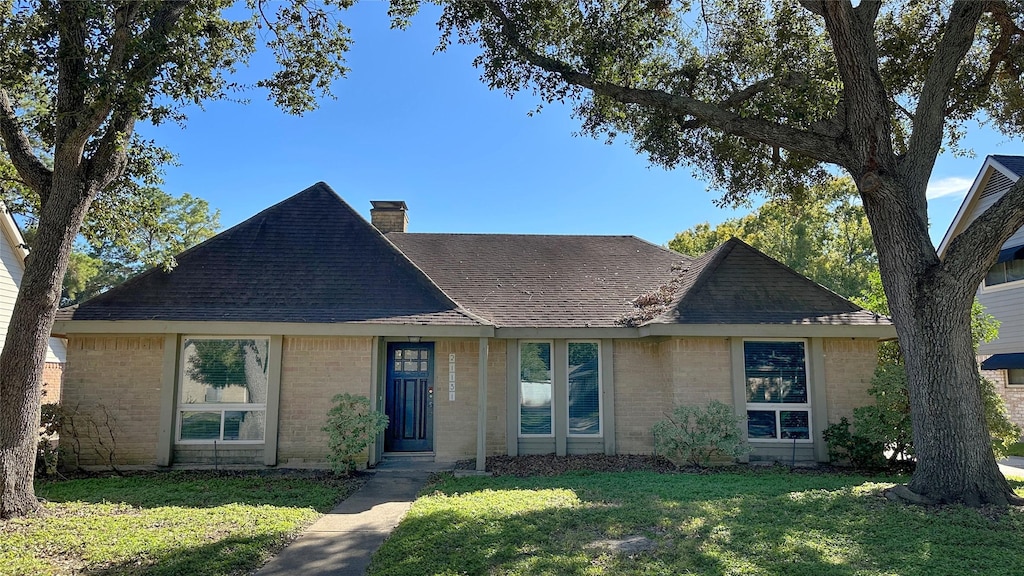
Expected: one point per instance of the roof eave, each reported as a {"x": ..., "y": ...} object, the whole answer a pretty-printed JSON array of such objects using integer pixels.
[{"x": 875, "y": 331}]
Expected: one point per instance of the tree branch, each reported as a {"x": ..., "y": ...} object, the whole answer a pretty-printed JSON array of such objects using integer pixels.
[
  {"x": 33, "y": 172},
  {"x": 1008, "y": 29},
  {"x": 816, "y": 7},
  {"x": 814, "y": 145},
  {"x": 929, "y": 118},
  {"x": 108, "y": 161},
  {"x": 981, "y": 241}
]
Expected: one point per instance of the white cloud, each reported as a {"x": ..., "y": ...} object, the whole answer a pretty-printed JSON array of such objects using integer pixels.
[{"x": 952, "y": 186}]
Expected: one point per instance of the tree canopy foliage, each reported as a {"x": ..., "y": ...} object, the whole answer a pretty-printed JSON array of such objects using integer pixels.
[
  {"x": 75, "y": 78},
  {"x": 826, "y": 238}
]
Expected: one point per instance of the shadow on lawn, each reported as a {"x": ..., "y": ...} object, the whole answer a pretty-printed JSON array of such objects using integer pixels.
[
  {"x": 228, "y": 556},
  {"x": 189, "y": 489},
  {"x": 708, "y": 524}
]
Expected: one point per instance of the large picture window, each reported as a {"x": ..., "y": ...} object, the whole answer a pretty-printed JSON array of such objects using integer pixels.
[
  {"x": 223, "y": 385},
  {"x": 584, "y": 372},
  {"x": 535, "y": 389},
  {"x": 778, "y": 405}
]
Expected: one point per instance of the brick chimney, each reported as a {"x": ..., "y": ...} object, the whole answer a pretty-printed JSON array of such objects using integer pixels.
[{"x": 389, "y": 215}]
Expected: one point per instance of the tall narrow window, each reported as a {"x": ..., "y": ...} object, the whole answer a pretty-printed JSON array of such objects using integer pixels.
[
  {"x": 535, "y": 389},
  {"x": 223, "y": 390},
  {"x": 584, "y": 389},
  {"x": 778, "y": 406}
]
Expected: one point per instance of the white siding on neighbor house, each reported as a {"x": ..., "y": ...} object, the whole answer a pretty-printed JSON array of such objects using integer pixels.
[
  {"x": 11, "y": 270},
  {"x": 1005, "y": 302}
]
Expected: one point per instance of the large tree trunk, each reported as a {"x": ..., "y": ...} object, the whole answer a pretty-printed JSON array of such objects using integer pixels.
[
  {"x": 932, "y": 312},
  {"x": 24, "y": 353}
]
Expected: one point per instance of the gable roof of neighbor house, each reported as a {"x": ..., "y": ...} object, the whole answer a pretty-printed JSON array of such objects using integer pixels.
[
  {"x": 12, "y": 267},
  {"x": 997, "y": 174},
  {"x": 312, "y": 259}
]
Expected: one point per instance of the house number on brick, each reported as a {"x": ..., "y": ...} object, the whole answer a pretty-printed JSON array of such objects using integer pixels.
[{"x": 451, "y": 377}]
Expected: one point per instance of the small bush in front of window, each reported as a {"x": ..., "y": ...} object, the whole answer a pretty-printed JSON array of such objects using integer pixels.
[
  {"x": 859, "y": 451},
  {"x": 351, "y": 427},
  {"x": 695, "y": 435}
]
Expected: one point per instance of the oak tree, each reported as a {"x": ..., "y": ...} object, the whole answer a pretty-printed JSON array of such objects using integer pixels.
[
  {"x": 75, "y": 78},
  {"x": 774, "y": 97}
]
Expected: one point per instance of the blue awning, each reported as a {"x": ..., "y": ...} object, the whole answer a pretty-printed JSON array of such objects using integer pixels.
[
  {"x": 1011, "y": 253},
  {"x": 1003, "y": 361}
]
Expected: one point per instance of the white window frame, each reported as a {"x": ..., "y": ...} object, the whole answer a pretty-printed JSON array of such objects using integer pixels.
[
  {"x": 1011, "y": 384},
  {"x": 214, "y": 407},
  {"x": 985, "y": 288},
  {"x": 600, "y": 391},
  {"x": 519, "y": 388},
  {"x": 778, "y": 408}
]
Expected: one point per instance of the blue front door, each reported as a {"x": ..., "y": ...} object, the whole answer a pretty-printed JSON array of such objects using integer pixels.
[{"x": 409, "y": 401}]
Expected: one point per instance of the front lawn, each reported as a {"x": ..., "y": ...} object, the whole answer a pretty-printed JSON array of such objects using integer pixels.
[
  {"x": 165, "y": 523},
  {"x": 757, "y": 522}
]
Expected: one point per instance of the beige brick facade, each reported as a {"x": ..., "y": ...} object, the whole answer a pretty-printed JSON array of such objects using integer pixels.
[
  {"x": 314, "y": 370},
  {"x": 849, "y": 365},
  {"x": 121, "y": 376},
  {"x": 112, "y": 386},
  {"x": 642, "y": 393}
]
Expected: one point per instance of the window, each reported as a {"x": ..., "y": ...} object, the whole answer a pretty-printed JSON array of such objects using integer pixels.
[
  {"x": 223, "y": 390},
  {"x": 1003, "y": 272},
  {"x": 778, "y": 406},
  {"x": 1015, "y": 377},
  {"x": 535, "y": 409},
  {"x": 584, "y": 388}
]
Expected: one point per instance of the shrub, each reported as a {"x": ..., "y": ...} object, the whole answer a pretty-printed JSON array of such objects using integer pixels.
[
  {"x": 51, "y": 420},
  {"x": 887, "y": 421},
  {"x": 695, "y": 434},
  {"x": 351, "y": 426},
  {"x": 858, "y": 450}
]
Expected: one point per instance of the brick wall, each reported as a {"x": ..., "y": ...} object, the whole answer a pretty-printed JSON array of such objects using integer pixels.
[
  {"x": 699, "y": 370},
  {"x": 314, "y": 370},
  {"x": 455, "y": 422},
  {"x": 642, "y": 393},
  {"x": 114, "y": 381},
  {"x": 53, "y": 378},
  {"x": 849, "y": 365},
  {"x": 1012, "y": 395}
]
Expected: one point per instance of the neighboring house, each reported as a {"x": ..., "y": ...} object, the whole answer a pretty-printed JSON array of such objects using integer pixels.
[
  {"x": 13, "y": 252},
  {"x": 473, "y": 344},
  {"x": 1002, "y": 291}
]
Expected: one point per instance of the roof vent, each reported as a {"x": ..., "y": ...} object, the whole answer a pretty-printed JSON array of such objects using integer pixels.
[{"x": 389, "y": 215}]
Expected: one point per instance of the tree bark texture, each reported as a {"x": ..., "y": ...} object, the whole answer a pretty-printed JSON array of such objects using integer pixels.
[
  {"x": 932, "y": 311},
  {"x": 24, "y": 352}
]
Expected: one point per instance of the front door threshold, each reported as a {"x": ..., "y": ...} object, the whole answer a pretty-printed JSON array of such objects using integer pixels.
[{"x": 420, "y": 461}]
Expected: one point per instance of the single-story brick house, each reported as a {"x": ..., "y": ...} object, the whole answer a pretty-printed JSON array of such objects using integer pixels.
[{"x": 473, "y": 344}]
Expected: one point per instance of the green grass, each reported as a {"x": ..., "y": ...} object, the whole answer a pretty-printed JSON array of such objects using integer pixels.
[
  {"x": 768, "y": 523},
  {"x": 167, "y": 523},
  {"x": 1017, "y": 449}
]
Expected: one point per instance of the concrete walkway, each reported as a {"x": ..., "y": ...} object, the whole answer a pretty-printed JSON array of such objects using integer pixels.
[
  {"x": 1012, "y": 466},
  {"x": 343, "y": 540}
]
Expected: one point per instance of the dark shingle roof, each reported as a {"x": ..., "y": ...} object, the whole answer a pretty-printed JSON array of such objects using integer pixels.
[
  {"x": 1014, "y": 164},
  {"x": 310, "y": 258},
  {"x": 736, "y": 284},
  {"x": 517, "y": 280}
]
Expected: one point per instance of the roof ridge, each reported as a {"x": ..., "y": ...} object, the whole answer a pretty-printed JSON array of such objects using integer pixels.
[{"x": 703, "y": 267}]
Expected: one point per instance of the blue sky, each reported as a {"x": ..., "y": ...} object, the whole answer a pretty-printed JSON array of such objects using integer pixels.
[{"x": 421, "y": 127}]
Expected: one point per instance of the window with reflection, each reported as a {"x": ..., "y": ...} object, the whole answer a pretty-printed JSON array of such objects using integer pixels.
[
  {"x": 535, "y": 389},
  {"x": 778, "y": 403},
  {"x": 223, "y": 390}
]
